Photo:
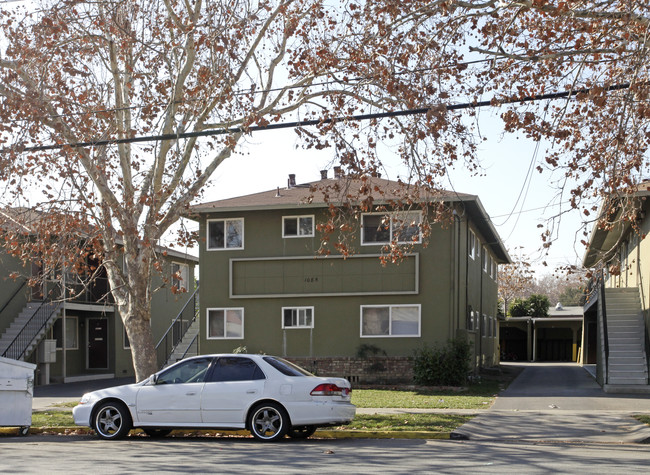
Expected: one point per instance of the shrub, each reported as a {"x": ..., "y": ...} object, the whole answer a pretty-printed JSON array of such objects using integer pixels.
[
  {"x": 446, "y": 366},
  {"x": 538, "y": 305},
  {"x": 519, "y": 308}
]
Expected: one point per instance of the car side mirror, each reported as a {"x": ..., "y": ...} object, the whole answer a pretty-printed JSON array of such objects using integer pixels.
[{"x": 154, "y": 379}]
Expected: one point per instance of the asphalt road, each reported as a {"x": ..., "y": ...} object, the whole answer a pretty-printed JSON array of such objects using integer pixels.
[{"x": 86, "y": 454}]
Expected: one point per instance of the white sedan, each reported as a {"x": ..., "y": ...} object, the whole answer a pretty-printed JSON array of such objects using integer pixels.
[{"x": 269, "y": 396}]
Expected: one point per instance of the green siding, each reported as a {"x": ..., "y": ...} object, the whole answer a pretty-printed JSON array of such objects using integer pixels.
[
  {"x": 296, "y": 276},
  {"x": 272, "y": 272}
]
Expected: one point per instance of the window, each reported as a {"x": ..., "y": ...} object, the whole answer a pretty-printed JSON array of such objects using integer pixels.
[
  {"x": 126, "y": 344},
  {"x": 286, "y": 367},
  {"x": 297, "y": 226},
  {"x": 225, "y": 323},
  {"x": 180, "y": 276},
  {"x": 225, "y": 234},
  {"x": 495, "y": 273},
  {"x": 471, "y": 247},
  {"x": 297, "y": 317},
  {"x": 188, "y": 371},
  {"x": 390, "y": 320},
  {"x": 71, "y": 333},
  {"x": 471, "y": 326},
  {"x": 400, "y": 227},
  {"x": 485, "y": 259},
  {"x": 231, "y": 368}
]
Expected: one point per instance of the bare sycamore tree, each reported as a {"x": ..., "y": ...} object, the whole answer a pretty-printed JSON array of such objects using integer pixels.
[
  {"x": 516, "y": 280},
  {"x": 118, "y": 112}
]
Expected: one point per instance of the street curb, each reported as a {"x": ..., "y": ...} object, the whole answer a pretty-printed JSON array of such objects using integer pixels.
[{"x": 322, "y": 434}]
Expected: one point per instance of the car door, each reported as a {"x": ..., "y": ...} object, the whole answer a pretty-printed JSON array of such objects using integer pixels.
[
  {"x": 235, "y": 383},
  {"x": 175, "y": 397}
]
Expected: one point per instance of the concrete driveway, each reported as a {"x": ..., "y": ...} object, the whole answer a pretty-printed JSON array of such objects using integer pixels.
[{"x": 560, "y": 402}]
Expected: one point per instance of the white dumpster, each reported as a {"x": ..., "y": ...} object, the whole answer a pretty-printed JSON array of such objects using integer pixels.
[{"x": 16, "y": 393}]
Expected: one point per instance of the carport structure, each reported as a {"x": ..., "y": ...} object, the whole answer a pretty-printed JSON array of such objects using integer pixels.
[{"x": 558, "y": 337}]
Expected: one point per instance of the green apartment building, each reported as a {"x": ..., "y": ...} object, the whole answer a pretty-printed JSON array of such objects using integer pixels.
[
  {"x": 264, "y": 286},
  {"x": 81, "y": 337}
]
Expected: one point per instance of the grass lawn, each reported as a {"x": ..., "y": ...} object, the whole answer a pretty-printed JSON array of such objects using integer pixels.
[
  {"x": 408, "y": 422},
  {"x": 645, "y": 418},
  {"x": 52, "y": 419},
  {"x": 476, "y": 396}
]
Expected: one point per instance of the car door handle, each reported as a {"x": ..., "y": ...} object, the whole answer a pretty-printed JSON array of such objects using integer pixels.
[
  {"x": 251, "y": 391},
  {"x": 190, "y": 394}
]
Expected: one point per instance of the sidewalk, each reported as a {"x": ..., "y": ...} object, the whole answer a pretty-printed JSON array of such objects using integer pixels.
[{"x": 560, "y": 402}]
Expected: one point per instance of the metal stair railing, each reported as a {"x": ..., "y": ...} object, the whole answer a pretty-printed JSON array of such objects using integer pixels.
[
  {"x": 13, "y": 296},
  {"x": 194, "y": 341},
  {"x": 37, "y": 322},
  {"x": 177, "y": 330}
]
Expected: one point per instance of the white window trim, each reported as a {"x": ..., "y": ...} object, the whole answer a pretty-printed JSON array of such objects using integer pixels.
[
  {"x": 390, "y": 320},
  {"x": 225, "y": 309},
  {"x": 297, "y": 326},
  {"x": 390, "y": 229},
  {"x": 124, "y": 339},
  {"x": 297, "y": 218},
  {"x": 472, "y": 244},
  {"x": 76, "y": 329},
  {"x": 225, "y": 220},
  {"x": 485, "y": 258},
  {"x": 185, "y": 275}
]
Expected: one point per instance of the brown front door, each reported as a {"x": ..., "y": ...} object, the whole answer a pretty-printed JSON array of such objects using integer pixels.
[{"x": 97, "y": 343}]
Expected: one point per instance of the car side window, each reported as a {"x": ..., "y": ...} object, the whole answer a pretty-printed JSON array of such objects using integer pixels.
[
  {"x": 190, "y": 371},
  {"x": 230, "y": 368}
]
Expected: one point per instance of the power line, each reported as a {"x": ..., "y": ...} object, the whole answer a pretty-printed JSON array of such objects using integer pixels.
[
  {"x": 243, "y": 92},
  {"x": 305, "y": 123}
]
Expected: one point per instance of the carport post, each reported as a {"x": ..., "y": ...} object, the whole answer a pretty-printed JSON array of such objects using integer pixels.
[
  {"x": 529, "y": 346},
  {"x": 534, "y": 340}
]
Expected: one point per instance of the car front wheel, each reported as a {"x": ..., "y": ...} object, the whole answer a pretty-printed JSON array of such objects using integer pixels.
[
  {"x": 268, "y": 422},
  {"x": 112, "y": 421}
]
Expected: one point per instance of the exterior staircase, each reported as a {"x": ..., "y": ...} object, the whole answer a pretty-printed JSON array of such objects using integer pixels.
[
  {"x": 187, "y": 346},
  {"x": 28, "y": 329},
  {"x": 626, "y": 361}
]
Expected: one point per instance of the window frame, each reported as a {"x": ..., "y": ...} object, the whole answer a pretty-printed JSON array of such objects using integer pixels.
[
  {"x": 390, "y": 320},
  {"x": 126, "y": 344},
  {"x": 225, "y": 227},
  {"x": 484, "y": 259},
  {"x": 298, "y": 218},
  {"x": 391, "y": 230},
  {"x": 298, "y": 326},
  {"x": 225, "y": 332},
  {"x": 472, "y": 245},
  {"x": 67, "y": 325},
  {"x": 184, "y": 270}
]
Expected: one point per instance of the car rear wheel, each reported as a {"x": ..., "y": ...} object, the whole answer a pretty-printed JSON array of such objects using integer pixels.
[
  {"x": 268, "y": 422},
  {"x": 157, "y": 433},
  {"x": 112, "y": 421},
  {"x": 301, "y": 432}
]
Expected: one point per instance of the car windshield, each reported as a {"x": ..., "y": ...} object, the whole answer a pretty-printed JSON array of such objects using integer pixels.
[{"x": 286, "y": 367}]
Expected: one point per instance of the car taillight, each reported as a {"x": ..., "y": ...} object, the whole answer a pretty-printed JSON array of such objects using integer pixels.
[{"x": 330, "y": 389}]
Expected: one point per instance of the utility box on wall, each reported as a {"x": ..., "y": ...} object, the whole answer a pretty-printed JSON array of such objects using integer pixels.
[{"x": 47, "y": 351}]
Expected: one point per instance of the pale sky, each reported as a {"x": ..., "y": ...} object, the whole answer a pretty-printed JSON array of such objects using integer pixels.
[{"x": 516, "y": 200}]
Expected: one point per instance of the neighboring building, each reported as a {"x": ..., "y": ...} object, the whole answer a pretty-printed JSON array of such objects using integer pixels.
[
  {"x": 617, "y": 313},
  {"x": 558, "y": 337},
  {"x": 83, "y": 338},
  {"x": 270, "y": 292}
]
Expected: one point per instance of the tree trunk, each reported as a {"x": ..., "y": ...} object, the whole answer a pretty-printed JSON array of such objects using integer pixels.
[{"x": 143, "y": 353}]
